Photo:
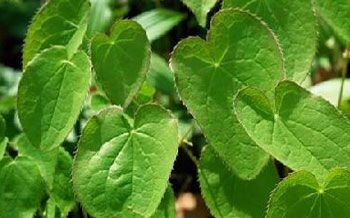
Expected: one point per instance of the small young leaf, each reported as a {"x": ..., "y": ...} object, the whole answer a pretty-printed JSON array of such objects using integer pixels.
[
  {"x": 122, "y": 165},
  {"x": 295, "y": 25},
  {"x": 166, "y": 208},
  {"x": 337, "y": 14},
  {"x": 59, "y": 22},
  {"x": 302, "y": 131},
  {"x": 200, "y": 8},
  {"x": 300, "y": 195},
  {"x": 229, "y": 196},
  {"x": 160, "y": 75},
  {"x": 240, "y": 51},
  {"x": 21, "y": 189},
  {"x": 158, "y": 22},
  {"x": 121, "y": 61},
  {"x": 51, "y": 94}
]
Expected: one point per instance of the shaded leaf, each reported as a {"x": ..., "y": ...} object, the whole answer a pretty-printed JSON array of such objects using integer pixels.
[
  {"x": 21, "y": 189},
  {"x": 229, "y": 196},
  {"x": 166, "y": 208},
  {"x": 200, "y": 8},
  {"x": 337, "y": 14},
  {"x": 158, "y": 22},
  {"x": 160, "y": 75}
]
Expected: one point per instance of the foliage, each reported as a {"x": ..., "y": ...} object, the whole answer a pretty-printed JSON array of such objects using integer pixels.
[{"x": 98, "y": 124}]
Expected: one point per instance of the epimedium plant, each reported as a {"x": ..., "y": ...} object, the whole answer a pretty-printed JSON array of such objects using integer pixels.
[{"x": 243, "y": 84}]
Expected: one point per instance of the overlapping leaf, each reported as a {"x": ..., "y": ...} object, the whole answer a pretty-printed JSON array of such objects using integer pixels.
[
  {"x": 59, "y": 22},
  {"x": 166, "y": 208},
  {"x": 55, "y": 169},
  {"x": 158, "y": 22},
  {"x": 122, "y": 165},
  {"x": 240, "y": 51},
  {"x": 294, "y": 23},
  {"x": 50, "y": 95},
  {"x": 300, "y": 195},
  {"x": 336, "y": 13},
  {"x": 21, "y": 189},
  {"x": 229, "y": 196},
  {"x": 121, "y": 61},
  {"x": 302, "y": 131}
]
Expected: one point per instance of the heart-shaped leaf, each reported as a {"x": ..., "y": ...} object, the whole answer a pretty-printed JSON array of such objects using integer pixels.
[
  {"x": 295, "y": 25},
  {"x": 58, "y": 22},
  {"x": 21, "y": 189},
  {"x": 337, "y": 14},
  {"x": 229, "y": 196},
  {"x": 240, "y": 51},
  {"x": 300, "y": 195},
  {"x": 51, "y": 94},
  {"x": 122, "y": 166},
  {"x": 121, "y": 61},
  {"x": 302, "y": 131}
]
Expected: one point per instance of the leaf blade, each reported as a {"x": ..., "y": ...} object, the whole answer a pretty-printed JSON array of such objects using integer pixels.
[{"x": 144, "y": 153}]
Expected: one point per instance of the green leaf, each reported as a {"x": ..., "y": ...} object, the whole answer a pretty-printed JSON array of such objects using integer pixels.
[
  {"x": 229, "y": 196},
  {"x": 121, "y": 61},
  {"x": 45, "y": 160},
  {"x": 122, "y": 165},
  {"x": 337, "y": 14},
  {"x": 158, "y": 22},
  {"x": 200, "y": 8},
  {"x": 21, "y": 189},
  {"x": 302, "y": 131},
  {"x": 300, "y": 195},
  {"x": 58, "y": 22},
  {"x": 55, "y": 168},
  {"x": 101, "y": 16},
  {"x": 240, "y": 51},
  {"x": 62, "y": 189},
  {"x": 160, "y": 75},
  {"x": 51, "y": 94},
  {"x": 3, "y": 139},
  {"x": 166, "y": 208},
  {"x": 98, "y": 102},
  {"x": 295, "y": 25}
]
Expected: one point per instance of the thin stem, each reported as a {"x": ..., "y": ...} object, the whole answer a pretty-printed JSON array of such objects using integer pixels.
[
  {"x": 190, "y": 154},
  {"x": 187, "y": 132},
  {"x": 344, "y": 72}
]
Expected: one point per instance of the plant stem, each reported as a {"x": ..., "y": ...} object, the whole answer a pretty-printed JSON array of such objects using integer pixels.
[
  {"x": 344, "y": 72},
  {"x": 190, "y": 154}
]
